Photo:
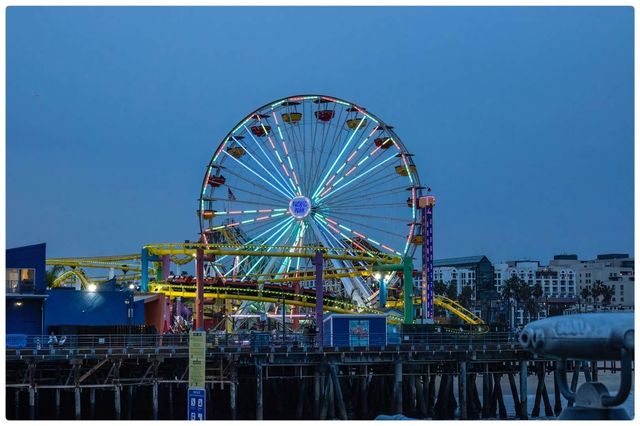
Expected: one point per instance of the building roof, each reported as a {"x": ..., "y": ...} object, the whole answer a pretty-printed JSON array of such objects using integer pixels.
[{"x": 459, "y": 261}]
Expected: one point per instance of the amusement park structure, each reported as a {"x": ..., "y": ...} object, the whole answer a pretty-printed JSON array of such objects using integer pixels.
[{"x": 306, "y": 202}]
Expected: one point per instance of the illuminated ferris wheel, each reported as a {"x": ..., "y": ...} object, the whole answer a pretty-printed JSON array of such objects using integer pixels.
[{"x": 310, "y": 171}]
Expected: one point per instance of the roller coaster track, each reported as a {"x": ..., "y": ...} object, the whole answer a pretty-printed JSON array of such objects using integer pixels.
[
  {"x": 447, "y": 304},
  {"x": 261, "y": 295},
  {"x": 338, "y": 306},
  {"x": 270, "y": 250},
  {"x": 67, "y": 275}
]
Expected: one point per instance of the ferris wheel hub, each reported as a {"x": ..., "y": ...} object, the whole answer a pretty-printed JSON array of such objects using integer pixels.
[{"x": 300, "y": 207}]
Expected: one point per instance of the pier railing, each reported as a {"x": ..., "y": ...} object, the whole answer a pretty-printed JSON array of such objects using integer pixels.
[{"x": 43, "y": 345}]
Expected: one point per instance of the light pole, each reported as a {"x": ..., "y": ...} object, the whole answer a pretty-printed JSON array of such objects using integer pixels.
[{"x": 284, "y": 318}]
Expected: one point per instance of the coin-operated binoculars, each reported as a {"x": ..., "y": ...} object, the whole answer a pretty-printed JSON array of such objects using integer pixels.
[{"x": 599, "y": 336}]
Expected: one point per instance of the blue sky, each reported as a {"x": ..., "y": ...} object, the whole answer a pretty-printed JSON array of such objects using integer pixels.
[{"x": 520, "y": 119}]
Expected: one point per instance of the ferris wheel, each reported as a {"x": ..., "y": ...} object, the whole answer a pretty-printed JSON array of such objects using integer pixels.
[{"x": 310, "y": 171}]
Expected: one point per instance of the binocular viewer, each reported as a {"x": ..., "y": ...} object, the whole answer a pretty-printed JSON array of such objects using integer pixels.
[{"x": 594, "y": 337}]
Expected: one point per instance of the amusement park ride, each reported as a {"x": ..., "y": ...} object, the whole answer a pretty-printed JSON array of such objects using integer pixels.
[{"x": 307, "y": 201}]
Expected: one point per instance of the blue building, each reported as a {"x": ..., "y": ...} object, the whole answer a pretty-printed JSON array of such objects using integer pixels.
[
  {"x": 342, "y": 330},
  {"x": 25, "y": 289}
]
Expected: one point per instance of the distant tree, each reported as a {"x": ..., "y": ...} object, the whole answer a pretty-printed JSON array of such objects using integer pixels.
[
  {"x": 52, "y": 274},
  {"x": 597, "y": 291},
  {"x": 536, "y": 291},
  {"x": 607, "y": 295},
  {"x": 465, "y": 296},
  {"x": 439, "y": 287},
  {"x": 585, "y": 294},
  {"x": 452, "y": 291}
]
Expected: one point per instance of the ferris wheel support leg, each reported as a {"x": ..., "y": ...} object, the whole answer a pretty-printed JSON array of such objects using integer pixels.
[
  {"x": 199, "y": 324},
  {"x": 318, "y": 261},
  {"x": 144, "y": 273}
]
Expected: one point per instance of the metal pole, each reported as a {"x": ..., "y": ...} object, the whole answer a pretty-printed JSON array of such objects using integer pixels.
[
  {"x": 166, "y": 266},
  {"x": 199, "y": 289},
  {"x": 284, "y": 319},
  {"x": 383, "y": 292},
  {"x": 77, "y": 399},
  {"x": 318, "y": 261}
]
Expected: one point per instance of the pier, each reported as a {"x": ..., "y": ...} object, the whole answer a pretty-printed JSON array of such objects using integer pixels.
[{"x": 434, "y": 376}]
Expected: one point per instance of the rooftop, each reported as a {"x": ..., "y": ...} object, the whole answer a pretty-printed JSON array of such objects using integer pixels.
[{"x": 459, "y": 261}]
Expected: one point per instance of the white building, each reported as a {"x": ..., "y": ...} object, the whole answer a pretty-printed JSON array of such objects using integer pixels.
[{"x": 614, "y": 270}]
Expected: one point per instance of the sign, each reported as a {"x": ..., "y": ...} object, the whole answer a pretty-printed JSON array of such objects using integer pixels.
[
  {"x": 358, "y": 332},
  {"x": 300, "y": 207},
  {"x": 197, "y": 358},
  {"x": 196, "y": 404}
]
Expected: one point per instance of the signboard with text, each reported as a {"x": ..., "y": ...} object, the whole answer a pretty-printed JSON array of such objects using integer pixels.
[
  {"x": 197, "y": 358},
  {"x": 196, "y": 404}
]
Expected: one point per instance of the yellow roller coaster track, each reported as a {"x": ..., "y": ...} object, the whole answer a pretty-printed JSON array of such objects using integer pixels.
[
  {"x": 274, "y": 251},
  {"x": 447, "y": 304}
]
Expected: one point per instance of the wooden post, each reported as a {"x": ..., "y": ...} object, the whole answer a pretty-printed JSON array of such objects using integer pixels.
[
  {"x": 92, "y": 402},
  {"x": 364, "y": 392},
  {"x": 325, "y": 396},
  {"x": 331, "y": 398},
  {"x": 116, "y": 400},
  {"x": 411, "y": 382},
  {"x": 431, "y": 396},
  {"x": 462, "y": 390},
  {"x": 154, "y": 398},
  {"x": 233, "y": 392},
  {"x": 259, "y": 392},
  {"x": 316, "y": 393},
  {"x": 557, "y": 401},
  {"x": 514, "y": 393},
  {"x": 486, "y": 393},
  {"x": 32, "y": 403},
  {"x": 502, "y": 410},
  {"x": 171, "y": 401},
  {"x": 130, "y": 402},
  {"x": 77, "y": 400},
  {"x": 422, "y": 406},
  {"x": 338, "y": 392},
  {"x": 58, "y": 403},
  {"x": 523, "y": 390},
  {"x": 397, "y": 386}
]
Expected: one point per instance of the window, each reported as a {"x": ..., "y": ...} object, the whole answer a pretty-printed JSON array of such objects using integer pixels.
[{"x": 20, "y": 280}]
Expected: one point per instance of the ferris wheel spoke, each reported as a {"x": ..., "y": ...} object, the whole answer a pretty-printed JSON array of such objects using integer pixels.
[
  {"x": 361, "y": 126},
  {"x": 349, "y": 166},
  {"x": 336, "y": 137},
  {"x": 283, "y": 229},
  {"x": 236, "y": 201},
  {"x": 287, "y": 156},
  {"x": 270, "y": 248},
  {"x": 379, "y": 185},
  {"x": 344, "y": 219},
  {"x": 351, "y": 181},
  {"x": 314, "y": 172},
  {"x": 271, "y": 231},
  {"x": 268, "y": 157},
  {"x": 327, "y": 225},
  {"x": 276, "y": 237},
  {"x": 342, "y": 244},
  {"x": 286, "y": 195},
  {"x": 284, "y": 187},
  {"x": 362, "y": 235},
  {"x": 243, "y": 191},
  {"x": 299, "y": 179}
]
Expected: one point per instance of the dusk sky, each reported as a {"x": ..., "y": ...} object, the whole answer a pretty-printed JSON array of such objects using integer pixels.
[{"x": 520, "y": 119}]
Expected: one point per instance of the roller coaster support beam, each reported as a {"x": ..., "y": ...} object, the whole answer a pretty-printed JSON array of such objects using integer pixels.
[
  {"x": 144, "y": 273},
  {"x": 166, "y": 266},
  {"x": 199, "y": 325},
  {"x": 318, "y": 262},
  {"x": 406, "y": 267},
  {"x": 145, "y": 258}
]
